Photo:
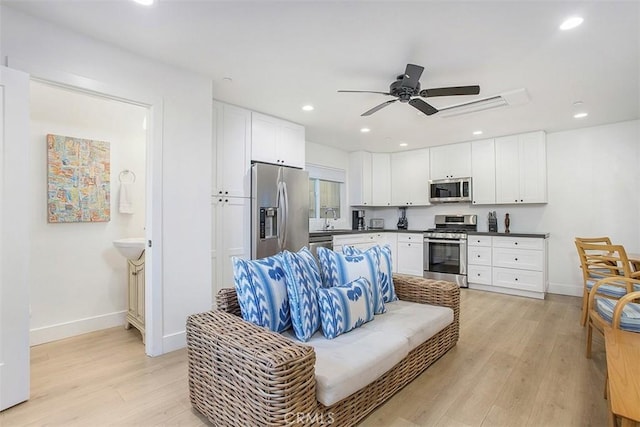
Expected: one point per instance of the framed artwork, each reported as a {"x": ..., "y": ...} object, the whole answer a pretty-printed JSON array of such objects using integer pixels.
[{"x": 78, "y": 180}]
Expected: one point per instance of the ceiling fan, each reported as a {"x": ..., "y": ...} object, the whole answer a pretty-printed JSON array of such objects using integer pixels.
[{"x": 406, "y": 88}]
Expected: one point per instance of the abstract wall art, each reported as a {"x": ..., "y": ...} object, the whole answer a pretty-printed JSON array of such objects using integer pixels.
[{"x": 78, "y": 180}]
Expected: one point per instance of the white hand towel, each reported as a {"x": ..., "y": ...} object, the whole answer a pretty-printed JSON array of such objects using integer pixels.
[{"x": 126, "y": 199}]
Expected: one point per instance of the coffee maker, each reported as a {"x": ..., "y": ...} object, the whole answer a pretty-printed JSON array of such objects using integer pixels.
[{"x": 357, "y": 219}]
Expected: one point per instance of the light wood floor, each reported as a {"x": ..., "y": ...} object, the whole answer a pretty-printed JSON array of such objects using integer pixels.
[{"x": 519, "y": 362}]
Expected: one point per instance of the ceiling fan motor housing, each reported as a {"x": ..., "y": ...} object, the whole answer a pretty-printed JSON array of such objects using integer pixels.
[{"x": 404, "y": 93}]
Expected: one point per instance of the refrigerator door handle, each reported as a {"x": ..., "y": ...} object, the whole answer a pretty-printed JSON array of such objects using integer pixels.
[
  {"x": 285, "y": 218},
  {"x": 280, "y": 214}
]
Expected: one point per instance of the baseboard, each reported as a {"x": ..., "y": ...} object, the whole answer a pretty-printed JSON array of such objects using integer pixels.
[
  {"x": 565, "y": 289},
  {"x": 174, "y": 342},
  {"x": 76, "y": 327}
]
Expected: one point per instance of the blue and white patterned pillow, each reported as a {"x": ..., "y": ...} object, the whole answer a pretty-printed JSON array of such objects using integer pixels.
[
  {"x": 386, "y": 273},
  {"x": 345, "y": 307},
  {"x": 303, "y": 279},
  {"x": 338, "y": 269},
  {"x": 262, "y": 292}
]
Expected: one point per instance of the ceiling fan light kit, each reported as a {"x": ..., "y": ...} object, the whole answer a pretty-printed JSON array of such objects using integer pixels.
[{"x": 406, "y": 89}]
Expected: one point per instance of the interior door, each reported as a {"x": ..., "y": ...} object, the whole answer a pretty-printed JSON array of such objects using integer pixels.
[{"x": 14, "y": 237}]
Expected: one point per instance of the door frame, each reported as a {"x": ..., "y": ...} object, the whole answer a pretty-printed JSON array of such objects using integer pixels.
[
  {"x": 153, "y": 190},
  {"x": 14, "y": 238}
]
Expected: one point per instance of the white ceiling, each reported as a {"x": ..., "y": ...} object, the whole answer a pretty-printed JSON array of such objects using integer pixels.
[{"x": 282, "y": 55}]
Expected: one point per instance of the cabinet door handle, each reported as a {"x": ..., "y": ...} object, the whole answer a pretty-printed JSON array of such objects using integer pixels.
[
  {"x": 220, "y": 192},
  {"x": 478, "y": 255},
  {"x": 516, "y": 279},
  {"x": 219, "y": 200},
  {"x": 516, "y": 243},
  {"x": 516, "y": 259}
]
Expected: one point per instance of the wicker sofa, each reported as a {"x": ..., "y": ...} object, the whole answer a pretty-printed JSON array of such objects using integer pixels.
[{"x": 241, "y": 374}]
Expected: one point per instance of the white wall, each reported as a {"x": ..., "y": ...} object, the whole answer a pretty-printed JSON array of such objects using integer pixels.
[
  {"x": 593, "y": 190},
  {"x": 78, "y": 280},
  {"x": 185, "y": 143}
]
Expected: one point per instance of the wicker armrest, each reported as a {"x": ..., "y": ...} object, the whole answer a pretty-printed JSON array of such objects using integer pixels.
[{"x": 241, "y": 374}]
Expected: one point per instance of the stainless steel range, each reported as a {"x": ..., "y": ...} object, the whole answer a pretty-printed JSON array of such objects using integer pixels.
[{"x": 445, "y": 248}]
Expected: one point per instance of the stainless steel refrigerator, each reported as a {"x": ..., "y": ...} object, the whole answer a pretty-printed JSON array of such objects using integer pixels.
[{"x": 279, "y": 209}]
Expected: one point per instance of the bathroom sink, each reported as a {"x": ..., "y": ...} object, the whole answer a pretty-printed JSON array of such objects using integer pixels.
[{"x": 131, "y": 247}]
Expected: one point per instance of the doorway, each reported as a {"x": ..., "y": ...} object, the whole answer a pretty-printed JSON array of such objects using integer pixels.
[{"x": 79, "y": 280}]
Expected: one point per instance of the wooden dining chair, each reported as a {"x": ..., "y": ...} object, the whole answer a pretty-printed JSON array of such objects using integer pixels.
[
  {"x": 600, "y": 259},
  {"x": 619, "y": 312}
]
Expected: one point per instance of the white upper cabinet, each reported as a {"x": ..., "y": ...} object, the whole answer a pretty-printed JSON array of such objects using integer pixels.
[
  {"x": 483, "y": 172},
  {"x": 360, "y": 178},
  {"x": 381, "y": 179},
  {"x": 521, "y": 168},
  {"x": 451, "y": 161},
  {"x": 231, "y": 151},
  {"x": 277, "y": 141},
  {"x": 410, "y": 178}
]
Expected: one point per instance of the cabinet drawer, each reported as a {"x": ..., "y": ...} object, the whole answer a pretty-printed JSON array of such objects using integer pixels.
[
  {"x": 479, "y": 274},
  {"x": 518, "y": 242},
  {"x": 518, "y": 279},
  {"x": 410, "y": 238},
  {"x": 518, "y": 258},
  {"x": 354, "y": 239},
  {"x": 479, "y": 255},
  {"x": 478, "y": 240}
]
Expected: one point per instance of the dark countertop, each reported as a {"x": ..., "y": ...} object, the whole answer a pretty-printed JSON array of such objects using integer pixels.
[
  {"x": 338, "y": 232},
  {"x": 486, "y": 233}
]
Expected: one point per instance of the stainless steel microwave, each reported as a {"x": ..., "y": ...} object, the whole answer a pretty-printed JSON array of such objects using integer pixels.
[{"x": 450, "y": 190}]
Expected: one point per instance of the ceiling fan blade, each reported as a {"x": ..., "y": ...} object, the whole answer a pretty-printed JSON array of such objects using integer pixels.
[
  {"x": 411, "y": 76},
  {"x": 419, "y": 104},
  {"x": 378, "y": 107},
  {"x": 364, "y": 91},
  {"x": 450, "y": 91}
]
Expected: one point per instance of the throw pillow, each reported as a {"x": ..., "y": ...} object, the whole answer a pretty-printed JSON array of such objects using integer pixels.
[
  {"x": 262, "y": 292},
  {"x": 338, "y": 269},
  {"x": 386, "y": 274},
  {"x": 345, "y": 307},
  {"x": 302, "y": 279}
]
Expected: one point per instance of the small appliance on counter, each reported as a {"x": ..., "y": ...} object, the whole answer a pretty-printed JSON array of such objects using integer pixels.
[
  {"x": 376, "y": 224},
  {"x": 403, "y": 224},
  {"x": 357, "y": 219},
  {"x": 493, "y": 222}
]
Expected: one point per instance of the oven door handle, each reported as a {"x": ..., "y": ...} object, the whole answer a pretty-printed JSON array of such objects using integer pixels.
[{"x": 453, "y": 242}]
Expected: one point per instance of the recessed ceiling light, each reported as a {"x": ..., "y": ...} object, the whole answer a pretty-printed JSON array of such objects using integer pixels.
[
  {"x": 571, "y": 23},
  {"x": 403, "y": 144},
  {"x": 145, "y": 2},
  {"x": 580, "y": 115},
  {"x": 307, "y": 107},
  {"x": 365, "y": 130},
  {"x": 227, "y": 79},
  {"x": 477, "y": 132}
]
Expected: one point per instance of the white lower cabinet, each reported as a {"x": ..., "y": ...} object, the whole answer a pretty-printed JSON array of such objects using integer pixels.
[
  {"x": 411, "y": 253},
  {"x": 364, "y": 241},
  {"x": 512, "y": 265},
  {"x": 231, "y": 219}
]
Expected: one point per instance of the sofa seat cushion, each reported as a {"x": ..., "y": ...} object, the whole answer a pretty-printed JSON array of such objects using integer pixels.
[
  {"x": 416, "y": 322},
  {"x": 353, "y": 360}
]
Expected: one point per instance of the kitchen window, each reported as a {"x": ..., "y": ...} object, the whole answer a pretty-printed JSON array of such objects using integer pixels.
[{"x": 326, "y": 192}]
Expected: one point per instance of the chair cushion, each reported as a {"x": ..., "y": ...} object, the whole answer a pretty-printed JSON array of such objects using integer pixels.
[
  {"x": 345, "y": 307},
  {"x": 337, "y": 269},
  {"x": 385, "y": 269},
  {"x": 351, "y": 361},
  {"x": 262, "y": 292},
  {"x": 611, "y": 290},
  {"x": 630, "y": 318},
  {"x": 302, "y": 279}
]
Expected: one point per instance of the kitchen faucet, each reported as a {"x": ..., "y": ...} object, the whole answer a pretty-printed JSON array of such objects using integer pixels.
[{"x": 326, "y": 218}]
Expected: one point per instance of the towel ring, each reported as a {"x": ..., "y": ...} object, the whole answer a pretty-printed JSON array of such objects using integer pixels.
[{"x": 125, "y": 173}]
